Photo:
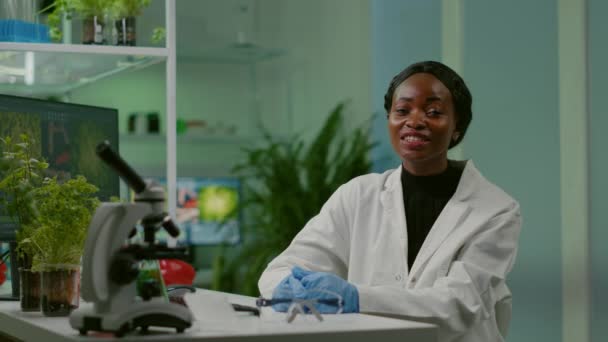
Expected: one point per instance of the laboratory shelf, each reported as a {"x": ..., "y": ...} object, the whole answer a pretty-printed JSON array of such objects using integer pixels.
[
  {"x": 31, "y": 69},
  {"x": 189, "y": 139},
  {"x": 87, "y": 49}
]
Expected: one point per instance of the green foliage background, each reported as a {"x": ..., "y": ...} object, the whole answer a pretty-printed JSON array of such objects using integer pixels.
[
  {"x": 64, "y": 213},
  {"x": 14, "y": 124},
  {"x": 86, "y": 162},
  {"x": 286, "y": 184},
  {"x": 53, "y": 216},
  {"x": 20, "y": 174}
]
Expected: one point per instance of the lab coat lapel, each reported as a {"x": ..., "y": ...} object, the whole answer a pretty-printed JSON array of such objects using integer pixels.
[
  {"x": 391, "y": 199},
  {"x": 451, "y": 217}
]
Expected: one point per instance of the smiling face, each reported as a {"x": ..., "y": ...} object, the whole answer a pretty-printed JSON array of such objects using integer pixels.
[{"x": 422, "y": 123}]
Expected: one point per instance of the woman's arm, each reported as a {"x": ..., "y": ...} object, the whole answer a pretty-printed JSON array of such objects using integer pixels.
[{"x": 322, "y": 245}]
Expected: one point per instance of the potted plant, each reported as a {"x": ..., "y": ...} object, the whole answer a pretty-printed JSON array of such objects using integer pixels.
[
  {"x": 64, "y": 213},
  {"x": 126, "y": 11},
  {"x": 288, "y": 184},
  {"x": 94, "y": 14},
  {"x": 21, "y": 173}
]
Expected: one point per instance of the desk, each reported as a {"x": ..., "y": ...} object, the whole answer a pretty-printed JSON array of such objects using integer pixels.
[{"x": 239, "y": 327}]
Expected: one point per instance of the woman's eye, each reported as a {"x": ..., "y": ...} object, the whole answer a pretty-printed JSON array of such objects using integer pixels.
[
  {"x": 433, "y": 112},
  {"x": 402, "y": 111}
]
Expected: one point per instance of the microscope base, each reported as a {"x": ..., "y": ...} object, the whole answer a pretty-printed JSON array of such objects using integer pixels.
[{"x": 141, "y": 314}]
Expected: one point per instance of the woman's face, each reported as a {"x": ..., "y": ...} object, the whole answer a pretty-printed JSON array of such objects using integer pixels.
[{"x": 422, "y": 123}]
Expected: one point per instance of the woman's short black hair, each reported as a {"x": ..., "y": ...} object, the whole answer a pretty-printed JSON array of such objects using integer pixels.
[{"x": 461, "y": 96}]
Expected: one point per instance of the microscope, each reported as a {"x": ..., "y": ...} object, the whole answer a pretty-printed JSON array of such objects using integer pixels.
[{"x": 111, "y": 263}]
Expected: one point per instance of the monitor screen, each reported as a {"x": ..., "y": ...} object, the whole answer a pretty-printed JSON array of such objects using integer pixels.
[
  {"x": 208, "y": 210},
  {"x": 65, "y": 135}
]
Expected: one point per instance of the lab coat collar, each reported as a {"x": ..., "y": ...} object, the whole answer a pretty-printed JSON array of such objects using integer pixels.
[{"x": 450, "y": 218}]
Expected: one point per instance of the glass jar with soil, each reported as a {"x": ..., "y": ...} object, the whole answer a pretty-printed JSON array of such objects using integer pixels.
[
  {"x": 29, "y": 290},
  {"x": 60, "y": 289}
]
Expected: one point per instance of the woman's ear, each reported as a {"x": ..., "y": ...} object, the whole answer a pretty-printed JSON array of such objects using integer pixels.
[{"x": 455, "y": 136}]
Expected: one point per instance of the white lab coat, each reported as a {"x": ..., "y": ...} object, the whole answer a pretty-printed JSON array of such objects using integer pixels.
[{"x": 457, "y": 280}]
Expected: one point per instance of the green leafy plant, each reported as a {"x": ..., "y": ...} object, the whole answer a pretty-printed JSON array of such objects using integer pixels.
[
  {"x": 64, "y": 213},
  {"x": 99, "y": 8},
  {"x": 129, "y": 8},
  {"x": 158, "y": 35},
  {"x": 287, "y": 183},
  {"x": 69, "y": 8},
  {"x": 20, "y": 174},
  {"x": 53, "y": 217}
]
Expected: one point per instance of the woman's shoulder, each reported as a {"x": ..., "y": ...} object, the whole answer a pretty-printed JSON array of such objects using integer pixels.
[
  {"x": 372, "y": 181},
  {"x": 368, "y": 186},
  {"x": 479, "y": 191}
]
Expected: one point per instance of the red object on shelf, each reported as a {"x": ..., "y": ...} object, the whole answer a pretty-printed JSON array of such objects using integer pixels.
[
  {"x": 176, "y": 272},
  {"x": 2, "y": 273}
]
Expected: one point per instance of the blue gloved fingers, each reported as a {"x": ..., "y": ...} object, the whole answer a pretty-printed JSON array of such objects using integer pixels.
[
  {"x": 299, "y": 272},
  {"x": 353, "y": 302},
  {"x": 316, "y": 286},
  {"x": 329, "y": 282},
  {"x": 282, "y": 287},
  {"x": 319, "y": 280},
  {"x": 327, "y": 302},
  {"x": 290, "y": 284},
  {"x": 281, "y": 307},
  {"x": 288, "y": 288}
]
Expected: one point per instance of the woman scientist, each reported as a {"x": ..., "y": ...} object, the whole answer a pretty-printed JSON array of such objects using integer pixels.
[{"x": 431, "y": 240}]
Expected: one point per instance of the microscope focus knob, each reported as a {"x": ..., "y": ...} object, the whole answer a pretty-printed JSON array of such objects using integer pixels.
[
  {"x": 123, "y": 269},
  {"x": 149, "y": 288}
]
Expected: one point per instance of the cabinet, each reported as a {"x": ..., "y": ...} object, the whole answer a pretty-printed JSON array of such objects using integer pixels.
[{"x": 50, "y": 69}]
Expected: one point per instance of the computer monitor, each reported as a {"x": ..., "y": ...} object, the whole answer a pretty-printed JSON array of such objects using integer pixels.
[
  {"x": 208, "y": 210},
  {"x": 65, "y": 135}
]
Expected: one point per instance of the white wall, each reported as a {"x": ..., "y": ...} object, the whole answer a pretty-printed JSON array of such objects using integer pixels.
[
  {"x": 329, "y": 47},
  {"x": 327, "y": 60},
  {"x": 598, "y": 163}
]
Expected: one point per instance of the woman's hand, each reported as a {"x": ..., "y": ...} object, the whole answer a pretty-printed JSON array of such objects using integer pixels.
[{"x": 328, "y": 282}]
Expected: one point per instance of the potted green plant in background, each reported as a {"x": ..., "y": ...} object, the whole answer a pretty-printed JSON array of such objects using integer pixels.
[
  {"x": 94, "y": 15},
  {"x": 97, "y": 15},
  {"x": 20, "y": 174},
  {"x": 287, "y": 183},
  {"x": 126, "y": 11},
  {"x": 53, "y": 218},
  {"x": 64, "y": 213}
]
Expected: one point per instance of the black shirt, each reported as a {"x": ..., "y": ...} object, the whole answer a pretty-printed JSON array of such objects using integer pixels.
[{"x": 423, "y": 199}]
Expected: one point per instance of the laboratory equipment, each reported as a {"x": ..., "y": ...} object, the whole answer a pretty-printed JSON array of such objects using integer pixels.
[{"x": 111, "y": 263}]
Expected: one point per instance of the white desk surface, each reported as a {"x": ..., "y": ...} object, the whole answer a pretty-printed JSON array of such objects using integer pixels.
[{"x": 227, "y": 326}]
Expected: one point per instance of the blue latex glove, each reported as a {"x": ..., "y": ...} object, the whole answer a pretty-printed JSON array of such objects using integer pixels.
[
  {"x": 289, "y": 287},
  {"x": 329, "y": 282},
  {"x": 299, "y": 273}
]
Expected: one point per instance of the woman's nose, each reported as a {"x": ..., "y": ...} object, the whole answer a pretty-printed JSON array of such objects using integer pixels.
[{"x": 416, "y": 120}]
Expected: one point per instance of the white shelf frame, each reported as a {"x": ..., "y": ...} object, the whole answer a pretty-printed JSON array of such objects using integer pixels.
[
  {"x": 171, "y": 116},
  {"x": 87, "y": 49},
  {"x": 168, "y": 52}
]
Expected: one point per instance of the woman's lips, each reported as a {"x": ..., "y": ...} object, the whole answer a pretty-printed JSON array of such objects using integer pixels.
[{"x": 414, "y": 141}]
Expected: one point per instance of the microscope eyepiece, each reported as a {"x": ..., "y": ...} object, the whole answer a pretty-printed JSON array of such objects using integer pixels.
[
  {"x": 170, "y": 226},
  {"x": 113, "y": 160}
]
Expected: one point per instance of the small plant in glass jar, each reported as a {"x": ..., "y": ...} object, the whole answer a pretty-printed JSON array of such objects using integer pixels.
[
  {"x": 64, "y": 213},
  {"x": 20, "y": 174},
  {"x": 126, "y": 11}
]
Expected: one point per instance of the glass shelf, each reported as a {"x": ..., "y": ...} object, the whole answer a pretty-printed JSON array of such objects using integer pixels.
[
  {"x": 245, "y": 53},
  {"x": 188, "y": 139},
  {"x": 54, "y": 69}
]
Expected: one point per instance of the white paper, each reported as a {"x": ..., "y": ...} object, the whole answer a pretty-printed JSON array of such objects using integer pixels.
[{"x": 209, "y": 306}]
